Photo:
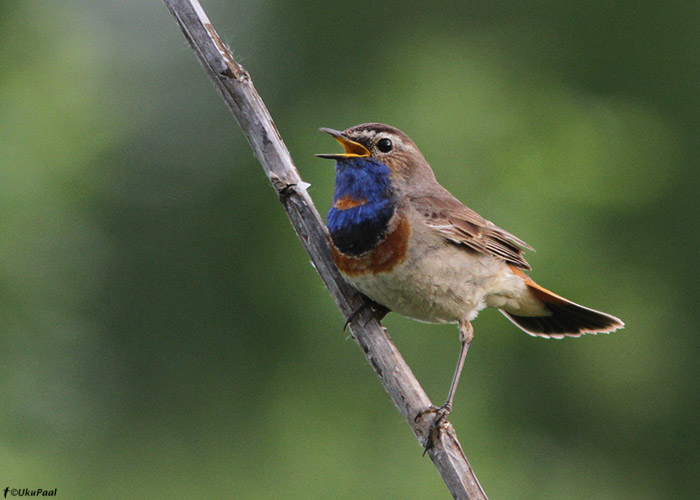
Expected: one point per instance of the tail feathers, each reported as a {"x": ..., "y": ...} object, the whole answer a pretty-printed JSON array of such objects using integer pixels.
[{"x": 565, "y": 318}]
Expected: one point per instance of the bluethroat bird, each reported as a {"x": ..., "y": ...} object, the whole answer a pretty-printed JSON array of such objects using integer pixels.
[{"x": 411, "y": 247}]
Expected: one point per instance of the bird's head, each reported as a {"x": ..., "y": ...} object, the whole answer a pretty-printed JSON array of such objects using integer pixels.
[{"x": 378, "y": 146}]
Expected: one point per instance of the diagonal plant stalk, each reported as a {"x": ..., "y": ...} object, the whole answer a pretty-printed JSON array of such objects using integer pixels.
[{"x": 236, "y": 88}]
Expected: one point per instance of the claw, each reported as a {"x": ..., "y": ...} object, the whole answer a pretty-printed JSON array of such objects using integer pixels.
[
  {"x": 378, "y": 310},
  {"x": 441, "y": 415},
  {"x": 352, "y": 316},
  {"x": 431, "y": 409}
]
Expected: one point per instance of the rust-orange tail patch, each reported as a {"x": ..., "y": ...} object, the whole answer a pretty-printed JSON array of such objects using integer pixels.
[{"x": 565, "y": 318}]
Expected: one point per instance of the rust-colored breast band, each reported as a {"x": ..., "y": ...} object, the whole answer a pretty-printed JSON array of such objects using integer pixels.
[{"x": 382, "y": 258}]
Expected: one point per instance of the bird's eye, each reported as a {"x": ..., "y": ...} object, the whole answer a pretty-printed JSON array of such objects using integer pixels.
[{"x": 384, "y": 145}]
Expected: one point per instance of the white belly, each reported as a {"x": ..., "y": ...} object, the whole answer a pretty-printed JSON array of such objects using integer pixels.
[{"x": 444, "y": 284}]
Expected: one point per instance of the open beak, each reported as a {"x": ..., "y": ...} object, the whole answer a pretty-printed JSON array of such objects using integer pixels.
[{"x": 352, "y": 149}]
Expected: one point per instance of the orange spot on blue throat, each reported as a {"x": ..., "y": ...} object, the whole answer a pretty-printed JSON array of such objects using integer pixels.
[
  {"x": 363, "y": 205},
  {"x": 347, "y": 202}
]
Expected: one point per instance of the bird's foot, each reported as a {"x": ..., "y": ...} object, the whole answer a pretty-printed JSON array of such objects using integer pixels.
[
  {"x": 436, "y": 425},
  {"x": 378, "y": 311}
]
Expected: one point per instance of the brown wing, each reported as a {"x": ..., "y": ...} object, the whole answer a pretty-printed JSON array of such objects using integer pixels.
[{"x": 462, "y": 226}]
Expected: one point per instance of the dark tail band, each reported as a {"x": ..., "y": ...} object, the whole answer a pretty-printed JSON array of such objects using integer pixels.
[{"x": 566, "y": 320}]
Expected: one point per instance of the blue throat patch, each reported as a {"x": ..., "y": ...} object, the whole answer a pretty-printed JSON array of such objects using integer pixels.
[{"x": 363, "y": 186}]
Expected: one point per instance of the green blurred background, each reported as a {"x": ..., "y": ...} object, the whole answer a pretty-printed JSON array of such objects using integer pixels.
[{"x": 163, "y": 334}]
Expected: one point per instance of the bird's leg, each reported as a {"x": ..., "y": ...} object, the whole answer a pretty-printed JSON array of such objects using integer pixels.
[
  {"x": 378, "y": 310},
  {"x": 466, "y": 333}
]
